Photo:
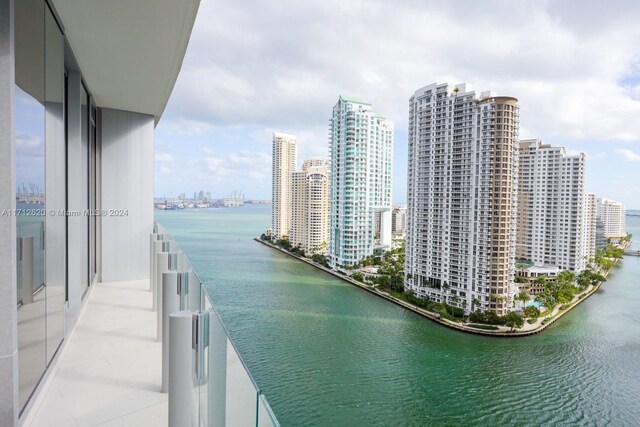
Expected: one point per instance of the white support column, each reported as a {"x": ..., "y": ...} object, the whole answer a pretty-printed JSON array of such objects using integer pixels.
[
  {"x": 162, "y": 266},
  {"x": 153, "y": 237},
  {"x": 217, "y": 375},
  {"x": 127, "y": 185},
  {"x": 170, "y": 305},
  {"x": 74, "y": 190},
  {"x": 156, "y": 248},
  {"x": 385, "y": 227},
  {"x": 181, "y": 368}
]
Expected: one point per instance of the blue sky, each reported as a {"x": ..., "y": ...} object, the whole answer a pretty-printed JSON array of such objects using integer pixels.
[{"x": 255, "y": 67}]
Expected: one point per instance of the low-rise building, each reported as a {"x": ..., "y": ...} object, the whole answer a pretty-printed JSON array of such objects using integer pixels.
[{"x": 528, "y": 277}]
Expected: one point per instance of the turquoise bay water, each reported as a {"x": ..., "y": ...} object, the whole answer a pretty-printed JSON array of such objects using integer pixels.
[{"x": 327, "y": 353}]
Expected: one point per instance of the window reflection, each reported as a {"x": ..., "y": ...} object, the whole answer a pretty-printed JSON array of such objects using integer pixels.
[
  {"x": 55, "y": 179},
  {"x": 30, "y": 196},
  {"x": 30, "y": 192},
  {"x": 84, "y": 187}
]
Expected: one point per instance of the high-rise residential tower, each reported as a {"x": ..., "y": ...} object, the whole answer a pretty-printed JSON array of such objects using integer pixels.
[
  {"x": 310, "y": 206},
  {"x": 361, "y": 146},
  {"x": 462, "y": 189},
  {"x": 399, "y": 219},
  {"x": 612, "y": 214},
  {"x": 284, "y": 164},
  {"x": 552, "y": 226},
  {"x": 589, "y": 226}
]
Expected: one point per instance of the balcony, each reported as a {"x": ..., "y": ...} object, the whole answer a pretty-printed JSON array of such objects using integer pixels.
[{"x": 110, "y": 370}]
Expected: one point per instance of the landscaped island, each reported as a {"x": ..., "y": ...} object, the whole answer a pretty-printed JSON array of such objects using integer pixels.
[{"x": 383, "y": 275}]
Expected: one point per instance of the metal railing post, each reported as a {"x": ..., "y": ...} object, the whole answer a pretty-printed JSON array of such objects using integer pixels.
[
  {"x": 165, "y": 262},
  {"x": 153, "y": 237},
  {"x": 170, "y": 305},
  {"x": 199, "y": 343},
  {"x": 156, "y": 248},
  {"x": 180, "y": 368},
  {"x": 26, "y": 259},
  {"x": 183, "y": 289}
]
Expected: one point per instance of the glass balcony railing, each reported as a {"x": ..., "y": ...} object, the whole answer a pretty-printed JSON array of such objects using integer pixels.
[{"x": 224, "y": 392}]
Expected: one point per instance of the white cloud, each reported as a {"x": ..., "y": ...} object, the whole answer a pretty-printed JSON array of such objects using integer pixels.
[
  {"x": 163, "y": 158},
  {"x": 629, "y": 155},
  {"x": 283, "y": 64},
  {"x": 29, "y": 145},
  {"x": 255, "y": 67},
  {"x": 239, "y": 166}
]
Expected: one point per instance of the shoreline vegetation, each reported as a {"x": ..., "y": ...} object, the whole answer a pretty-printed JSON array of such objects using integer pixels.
[{"x": 562, "y": 295}]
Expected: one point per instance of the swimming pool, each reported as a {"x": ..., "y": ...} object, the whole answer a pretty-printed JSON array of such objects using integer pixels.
[{"x": 534, "y": 303}]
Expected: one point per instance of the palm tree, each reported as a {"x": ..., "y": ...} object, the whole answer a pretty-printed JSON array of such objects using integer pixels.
[
  {"x": 446, "y": 287},
  {"x": 524, "y": 297}
]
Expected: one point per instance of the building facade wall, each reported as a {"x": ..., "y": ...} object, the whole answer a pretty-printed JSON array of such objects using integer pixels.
[
  {"x": 127, "y": 194},
  {"x": 589, "y": 227},
  {"x": 552, "y": 227},
  {"x": 612, "y": 215},
  {"x": 284, "y": 163},
  {"x": 361, "y": 147},
  {"x": 310, "y": 206},
  {"x": 399, "y": 220},
  {"x": 50, "y": 175},
  {"x": 462, "y": 188}
]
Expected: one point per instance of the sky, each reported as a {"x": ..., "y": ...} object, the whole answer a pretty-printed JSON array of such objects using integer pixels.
[{"x": 257, "y": 67}]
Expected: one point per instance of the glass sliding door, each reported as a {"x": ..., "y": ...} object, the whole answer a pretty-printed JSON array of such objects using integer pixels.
[
  {"x": 30, "y": 192},
  {"x": 55, "y": 176},
  {"x": 41, "y": 190},
  {"x": 84, "y": 188},
  {"x": 93, "y": 270}
]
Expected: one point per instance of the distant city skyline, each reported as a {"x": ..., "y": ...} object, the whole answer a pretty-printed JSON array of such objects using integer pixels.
[{"x": 216, "y": 130}]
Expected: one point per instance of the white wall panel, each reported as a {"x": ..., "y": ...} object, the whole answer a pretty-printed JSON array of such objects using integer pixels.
[{"x": 127, "y": 184}]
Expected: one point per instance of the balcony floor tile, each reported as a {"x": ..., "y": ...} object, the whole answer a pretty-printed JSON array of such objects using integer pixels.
[{"x": 109, "y": 371}]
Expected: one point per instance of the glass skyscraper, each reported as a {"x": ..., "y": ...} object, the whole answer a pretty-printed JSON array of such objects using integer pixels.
[{"x": 361, "y": 150}]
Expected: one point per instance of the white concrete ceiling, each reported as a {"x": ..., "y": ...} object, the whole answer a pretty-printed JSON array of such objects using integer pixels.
[{"x": 129, "y": 52}]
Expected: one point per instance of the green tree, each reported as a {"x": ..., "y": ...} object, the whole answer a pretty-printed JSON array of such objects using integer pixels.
[
  {"x": 513, "y": 320},
  {"x": 584, "y": 278},
  {"x": 523, "y": 296},
  {"x": 566, "y": 276},
  {"x": 320, "y": 259},
  {"x": 531, "y": 311},
  {"x": 446, "y": 288}
]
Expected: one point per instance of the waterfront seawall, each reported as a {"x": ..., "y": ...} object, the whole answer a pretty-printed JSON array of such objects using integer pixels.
[{"x": 435, "y": 317}]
